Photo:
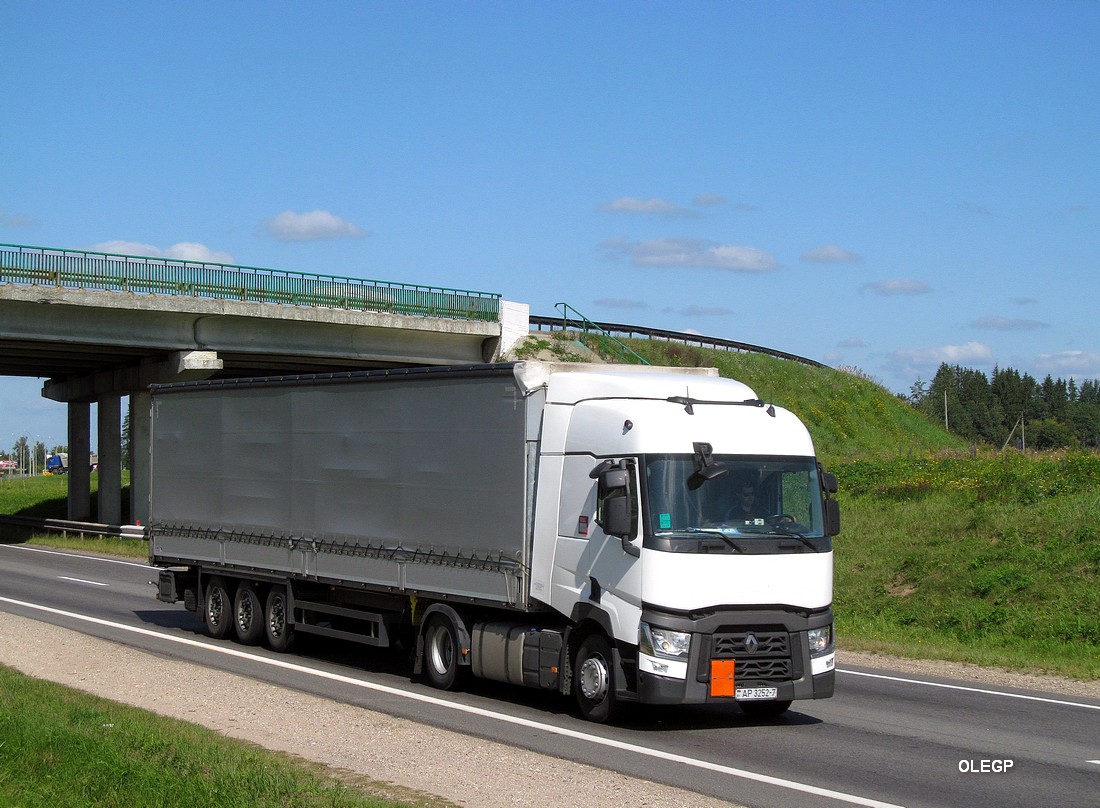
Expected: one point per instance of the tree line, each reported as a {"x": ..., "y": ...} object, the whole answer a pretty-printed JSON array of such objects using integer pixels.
[{"x": 1010, "y": 408}]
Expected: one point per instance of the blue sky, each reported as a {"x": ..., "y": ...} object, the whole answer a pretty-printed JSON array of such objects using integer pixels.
[{"x": 877, "y": 185}]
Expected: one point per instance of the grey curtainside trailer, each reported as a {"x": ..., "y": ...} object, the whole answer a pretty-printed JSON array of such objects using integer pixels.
[{"x": 411, "y": 481}]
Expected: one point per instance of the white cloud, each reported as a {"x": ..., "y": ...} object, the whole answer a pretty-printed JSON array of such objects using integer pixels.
[
  {"x": 686, "y": 252},
  {"x": 852, "y": 342},
  {"x": 898, "y": 286},
  {"x": 831, "y": 254},
  {"x": 996, "y": 323},
  {"x": 1085, "y": 364},
  {"x": 951, "y": 354},
  {"x": 632, "y": 204},
  {"x": 183, "y": 251},
  {"x": 311, "y": 226}
]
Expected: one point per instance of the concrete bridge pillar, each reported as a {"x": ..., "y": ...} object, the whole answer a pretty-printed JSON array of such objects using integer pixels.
[
  {"x": 110, "y": 460},
  {"x": 80, "y": 447}
]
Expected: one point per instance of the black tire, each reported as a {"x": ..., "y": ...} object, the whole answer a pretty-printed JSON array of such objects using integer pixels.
[
  {"x": 594, "y": 679},
  {"x": 764, "y": 709},
  {"x": 278, "y": 621},
  {"x": 441, "y": 653},
  {"x": 217, "y": 608},
  {"x": 248, "y": 614}
]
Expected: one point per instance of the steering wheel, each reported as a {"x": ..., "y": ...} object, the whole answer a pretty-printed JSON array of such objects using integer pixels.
[{"x": 778, "y": 518}]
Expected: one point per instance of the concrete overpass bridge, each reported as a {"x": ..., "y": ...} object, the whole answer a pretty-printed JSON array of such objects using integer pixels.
[{"x": 100, "y": 326}]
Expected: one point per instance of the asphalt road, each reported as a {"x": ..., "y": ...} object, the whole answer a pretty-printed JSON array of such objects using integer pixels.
[{"x": 884, "y": 739}]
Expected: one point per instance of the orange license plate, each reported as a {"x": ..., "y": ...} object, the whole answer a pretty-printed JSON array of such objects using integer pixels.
[{"x": 721, "y": 677}]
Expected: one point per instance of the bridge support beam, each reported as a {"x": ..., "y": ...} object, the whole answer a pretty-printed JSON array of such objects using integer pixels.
[
  {"x": 80, "y": 448},
  {"x": 109, "y": 498}
]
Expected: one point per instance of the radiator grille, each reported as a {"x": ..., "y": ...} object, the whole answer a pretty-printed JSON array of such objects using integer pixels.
[{"x": 760, "y": 655}]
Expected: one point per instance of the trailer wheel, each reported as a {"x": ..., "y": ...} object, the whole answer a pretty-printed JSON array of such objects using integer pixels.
[
  {"x": 248, "y": 614},
  {"x": 217, "y": 610},
  {"x": 442, "y": 651},
  {"x": 278, "y": 622},
  {"x": 594, "y": 679}
]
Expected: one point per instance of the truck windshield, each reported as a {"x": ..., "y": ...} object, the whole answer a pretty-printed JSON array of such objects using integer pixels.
[{"x": 757, "y": 498}]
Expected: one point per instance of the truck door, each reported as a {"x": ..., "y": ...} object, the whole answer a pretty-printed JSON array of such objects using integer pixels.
[{"x": 592, "y": 564}]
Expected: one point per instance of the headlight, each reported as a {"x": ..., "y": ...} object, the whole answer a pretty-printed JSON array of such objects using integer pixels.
[
  {"x": 821, "y": 640},
  {"x": 664, "y": 643}
]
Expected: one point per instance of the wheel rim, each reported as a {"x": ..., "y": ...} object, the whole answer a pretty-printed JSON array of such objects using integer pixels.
[
  {"x": 215, "y": 607},
  {"x": 442, "y": 650},
  {"x": 594, "y": 678},
  {"x": 278, "y": 617},
  {"x": 245, "y": 614}
]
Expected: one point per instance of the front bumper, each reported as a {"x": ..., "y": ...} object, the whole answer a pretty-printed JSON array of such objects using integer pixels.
[{"x": 757, "y": 649}]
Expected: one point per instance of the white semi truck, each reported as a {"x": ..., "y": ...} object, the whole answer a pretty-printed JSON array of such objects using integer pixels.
[{"x": 618, "y": 533}]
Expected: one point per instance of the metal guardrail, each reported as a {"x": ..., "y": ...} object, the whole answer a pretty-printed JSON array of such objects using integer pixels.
[
  {"x": 81, "y": 529},
  {"x": 538, "y": 322},
  {"x": 82, "y": 269}
]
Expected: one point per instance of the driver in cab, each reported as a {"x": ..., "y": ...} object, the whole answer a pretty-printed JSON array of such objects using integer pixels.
[{"x": 744, "y": 508}]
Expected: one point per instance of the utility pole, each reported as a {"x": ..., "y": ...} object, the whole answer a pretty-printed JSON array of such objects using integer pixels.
[{"x": 946, "y": 423}]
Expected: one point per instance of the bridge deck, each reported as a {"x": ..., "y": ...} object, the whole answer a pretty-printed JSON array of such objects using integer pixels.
[{"x": 75, "y": 269}]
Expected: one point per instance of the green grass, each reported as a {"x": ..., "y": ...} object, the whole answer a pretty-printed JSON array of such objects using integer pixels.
[
  {"x": 60, "y": 747},
  {"x": 42, "y": 497},
  {"x": 992, "y": 559},
  {"x": 45, "y": 498}
]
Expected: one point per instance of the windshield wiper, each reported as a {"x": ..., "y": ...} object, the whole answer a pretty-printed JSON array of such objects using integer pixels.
[
  {"x": 779, "y": 531},
  {"x": 723, "y": 535}
]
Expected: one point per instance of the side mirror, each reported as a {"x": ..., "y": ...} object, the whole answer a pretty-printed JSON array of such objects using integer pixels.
[
  {"x": 832, "y": 517},
  {"x": 828, "y": 482},
  {"x": 614, "y": 479},
  {"x": 616, "y": 517},
  {"x": 615, "y": 508}
]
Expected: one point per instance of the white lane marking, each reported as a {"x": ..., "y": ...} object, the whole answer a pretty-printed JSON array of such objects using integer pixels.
[
  {"x": 81, "y": 581},
  {"x": 76, "y": 555},
  {"x": 1097, "y": 762},
  {"x": 439, "y": 702},
  {"x": 970, "y": 689}
]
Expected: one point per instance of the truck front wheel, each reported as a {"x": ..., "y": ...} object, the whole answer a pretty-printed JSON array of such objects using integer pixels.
[
  {"x": 441, "y": 653},
  {"x": 594, "y": 679},
  {"x": 217, "y": 610},
  {"x": 278, "y": 622}
]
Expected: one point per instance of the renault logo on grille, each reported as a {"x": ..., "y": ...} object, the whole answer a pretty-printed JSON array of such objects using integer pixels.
[{"x": 751, "y": 644}]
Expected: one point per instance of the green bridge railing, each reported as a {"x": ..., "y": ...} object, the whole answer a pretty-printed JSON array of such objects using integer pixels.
[
  {"x": 604, "y": 342},
  {"x": 81, "y": 269}
]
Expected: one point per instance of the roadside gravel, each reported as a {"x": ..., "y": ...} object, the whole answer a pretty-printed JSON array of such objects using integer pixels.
[{"x": 392, "y": 757}]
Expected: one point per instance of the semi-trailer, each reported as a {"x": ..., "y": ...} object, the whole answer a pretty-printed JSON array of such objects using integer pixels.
[{"x": 618, "y": 533}]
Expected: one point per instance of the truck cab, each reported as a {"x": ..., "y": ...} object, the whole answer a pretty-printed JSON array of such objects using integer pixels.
[{"x": 687, "y": 527}]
